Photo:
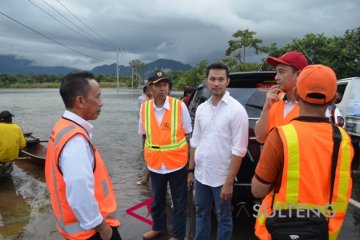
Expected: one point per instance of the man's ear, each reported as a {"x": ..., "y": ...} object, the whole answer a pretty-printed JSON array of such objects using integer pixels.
[
  {"x": 79, "y": 101},
  {"x": 228, "y": 81}
]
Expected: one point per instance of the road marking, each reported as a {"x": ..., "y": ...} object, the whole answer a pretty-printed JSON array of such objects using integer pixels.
[{"x": 355, "y": 203}]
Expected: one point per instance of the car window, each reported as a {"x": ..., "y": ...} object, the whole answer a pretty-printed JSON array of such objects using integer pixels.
[
  {"x": 247, "y": 88},
  {"x": 252, "y": 99},
  {"x": 354, "y": 98},
  {"x": 340, "y": 90}
]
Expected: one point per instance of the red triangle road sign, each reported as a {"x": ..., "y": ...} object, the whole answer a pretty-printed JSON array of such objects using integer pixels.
[{"x": 147, "y": 203}]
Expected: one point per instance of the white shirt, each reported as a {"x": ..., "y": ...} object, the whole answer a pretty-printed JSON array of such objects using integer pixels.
[
  {"x": 159, "y": 114},
  {"x": 76, "y": 163},
  {"x": 288, "y": 107},
  {"x": 219, "y": 131},
  {"x": 142, "y": 98}
]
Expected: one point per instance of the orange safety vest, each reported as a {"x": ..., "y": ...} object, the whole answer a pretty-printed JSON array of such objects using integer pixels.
[
  {"x": 66, "y": 221},
  {"x": 305, "y": 181},
  {"x": 276, "y": 115},
  {"x": 164, "y": 144}
]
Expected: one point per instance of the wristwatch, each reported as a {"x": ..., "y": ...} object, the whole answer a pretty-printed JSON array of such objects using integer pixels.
[{"x": 190, "y": 170}]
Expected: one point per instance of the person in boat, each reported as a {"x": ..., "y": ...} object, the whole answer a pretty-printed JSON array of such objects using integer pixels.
[
  {"x": 165, "y": 121},
  {"x": 11, "y": 138},
  {"x": 81, "y": 192}
]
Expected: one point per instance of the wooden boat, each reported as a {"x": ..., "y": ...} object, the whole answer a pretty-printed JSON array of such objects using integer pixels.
[
  {"x": 33, "y": 154},
  {"x": 6, "y": 169},
  {"x": 35, "y": 150}
]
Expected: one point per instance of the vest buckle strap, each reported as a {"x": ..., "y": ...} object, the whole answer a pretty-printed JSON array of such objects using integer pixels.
[{"x": 154, "y": 146}]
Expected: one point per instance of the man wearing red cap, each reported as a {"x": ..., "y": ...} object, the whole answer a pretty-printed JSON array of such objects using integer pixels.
[
  {"x": 297, "y": 164},
  {"x": 280, "y": 105}
]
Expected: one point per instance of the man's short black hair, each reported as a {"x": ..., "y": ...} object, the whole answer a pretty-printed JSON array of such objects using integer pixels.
[
  {"x": 75, "y": 84},
  {"x": 145, "y": 88},
  {"x": 188, "y": 90},
  {"x": 217, "y": 65}
]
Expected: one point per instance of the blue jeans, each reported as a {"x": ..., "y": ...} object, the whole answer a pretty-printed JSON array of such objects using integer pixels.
[
  {"x": 205, "y": 196},
  {"x": 178, "y": 187}
]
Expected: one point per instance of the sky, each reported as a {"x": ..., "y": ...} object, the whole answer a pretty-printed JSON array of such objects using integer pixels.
[{"x": 85, "y": 33}]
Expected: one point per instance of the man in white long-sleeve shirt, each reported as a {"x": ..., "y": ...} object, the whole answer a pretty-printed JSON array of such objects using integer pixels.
[
  {"x": 80, "y": 189},
  {"x": 218, "y": 144}
]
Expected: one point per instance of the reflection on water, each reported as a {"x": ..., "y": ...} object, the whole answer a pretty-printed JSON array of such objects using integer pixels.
[
  {"x": 15, "y": 211},
  {"x": 25, "y": 211}
]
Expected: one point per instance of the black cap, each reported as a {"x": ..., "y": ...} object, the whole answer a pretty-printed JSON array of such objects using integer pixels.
[
  {"x": 158, "y": 76},
  {"x": 6, "y": 116}
]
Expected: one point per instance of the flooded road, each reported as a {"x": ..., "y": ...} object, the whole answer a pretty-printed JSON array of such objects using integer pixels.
[{"x": 25, "y": 211}]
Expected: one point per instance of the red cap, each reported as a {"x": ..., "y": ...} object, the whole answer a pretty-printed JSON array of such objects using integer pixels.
[
  {"x": 317, "y": 79},
  {"x": 295, "y": 59}
]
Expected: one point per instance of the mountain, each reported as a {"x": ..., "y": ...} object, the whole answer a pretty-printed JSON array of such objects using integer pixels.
[
  {"x": 111, "y": 70},
  {"x": 160, "y": 64},
  {"x": 9, "y": 64}
]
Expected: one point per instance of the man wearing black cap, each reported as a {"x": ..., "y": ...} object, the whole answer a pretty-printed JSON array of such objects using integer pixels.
[
  {"x": 11, "y": 138},
  {"x": 166, "y": 122},
  {"x": 280, "y": 105}
]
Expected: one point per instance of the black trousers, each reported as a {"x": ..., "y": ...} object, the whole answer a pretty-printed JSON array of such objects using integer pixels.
[{"x": 115, "y": 235}]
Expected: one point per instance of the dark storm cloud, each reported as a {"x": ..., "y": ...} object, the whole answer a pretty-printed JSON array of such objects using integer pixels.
[{"x": 184, "y": 30}]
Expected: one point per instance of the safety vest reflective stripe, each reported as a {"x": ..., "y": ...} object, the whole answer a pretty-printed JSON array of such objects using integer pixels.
[
  {"x": 62, "y": 133},
  {"x": 73, "y": 227},
  {"x": 148, "y": 122},
  {"x": 174, "y": 125},
  {"x": 334, "y": 235},
  {"x": 293, "y": 174},
  {"x": 166, "y": 147},
  {"x": 344, "y": 171},
  {"x": 293, "y": 171},
  {"x": 286, "y": 199},
  {"x": 175, "y": 143},
  {"x": 60, "y": 221}
]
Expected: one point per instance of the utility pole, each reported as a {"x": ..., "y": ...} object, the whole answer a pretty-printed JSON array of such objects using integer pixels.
[
  {"x": 132, "y": 77},
  {"x": 117, "y": 69}
]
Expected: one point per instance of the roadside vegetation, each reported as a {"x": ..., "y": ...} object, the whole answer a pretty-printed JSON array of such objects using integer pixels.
[{"x": 342, "y": 53}]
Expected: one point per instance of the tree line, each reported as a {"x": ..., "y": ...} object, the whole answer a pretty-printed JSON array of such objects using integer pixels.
[{"x": 342, "y": 53}]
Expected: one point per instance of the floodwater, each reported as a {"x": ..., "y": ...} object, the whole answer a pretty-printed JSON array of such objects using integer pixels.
[{"x": 25, "y": 211}]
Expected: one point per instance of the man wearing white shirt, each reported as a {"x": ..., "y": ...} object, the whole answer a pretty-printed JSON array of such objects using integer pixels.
[
  {"x": 218, "y": 144},
  {"x": 81, "y": 192},
  {"x": 166, "y": 122}
]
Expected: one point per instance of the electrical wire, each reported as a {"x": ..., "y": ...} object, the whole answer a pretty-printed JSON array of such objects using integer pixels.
[
  {"x": 49, "y": 38},
  {"x": 62, "y": 23},
  {"x": 67, "y": 19},
  {"x": 108, "y": 42}
]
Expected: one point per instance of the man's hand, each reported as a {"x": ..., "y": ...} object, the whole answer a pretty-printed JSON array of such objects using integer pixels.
[
  {"x": 104, "y": 230},
  {"x": 272, "y": 96},
  {"x": 226, "y": 191},
  {"x": 190, "y": 181}
]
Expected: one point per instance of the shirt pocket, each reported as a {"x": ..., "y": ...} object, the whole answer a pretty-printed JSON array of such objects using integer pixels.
[{"x": 222, "y": 129}]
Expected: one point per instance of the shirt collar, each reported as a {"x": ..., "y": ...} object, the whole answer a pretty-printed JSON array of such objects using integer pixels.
[
  {"x": 285, "y": 99},
  {"x": 311, "y": 119},
  {"x": 166, "y": 104},
  {"x": 225, "y": 98},
  {"x": 79, "y": 120}
]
